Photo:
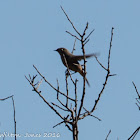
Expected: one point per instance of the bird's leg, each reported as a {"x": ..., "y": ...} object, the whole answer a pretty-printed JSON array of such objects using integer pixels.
[
  {"x": 73, "y": 72},
  {"x": 67, "y": 72}
]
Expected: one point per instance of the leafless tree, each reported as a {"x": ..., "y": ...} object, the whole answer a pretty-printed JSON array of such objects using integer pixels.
[{"x": 73, "y": 107}]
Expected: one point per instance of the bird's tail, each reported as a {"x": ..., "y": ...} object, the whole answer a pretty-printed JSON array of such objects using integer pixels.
[{"x": 81, "y": 72}]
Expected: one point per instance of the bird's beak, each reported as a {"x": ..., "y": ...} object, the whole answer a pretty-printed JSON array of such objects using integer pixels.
[{"x": 55, "y": 50}]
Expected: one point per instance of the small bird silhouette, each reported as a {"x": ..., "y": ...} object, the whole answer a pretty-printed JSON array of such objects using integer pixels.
[{"x": 71, "y": 60}]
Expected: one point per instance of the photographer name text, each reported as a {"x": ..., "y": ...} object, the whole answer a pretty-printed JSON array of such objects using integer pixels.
[{"x": 29, "y": 135}]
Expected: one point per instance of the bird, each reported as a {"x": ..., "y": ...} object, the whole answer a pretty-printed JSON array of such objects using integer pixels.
[{"x": 71, "y": 61}]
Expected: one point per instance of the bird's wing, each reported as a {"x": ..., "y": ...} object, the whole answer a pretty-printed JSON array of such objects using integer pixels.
[{"x": 80, "y": 57}]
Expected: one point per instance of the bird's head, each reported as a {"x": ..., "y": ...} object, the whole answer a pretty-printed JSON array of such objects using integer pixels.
[{"x": 61, "y": 50}]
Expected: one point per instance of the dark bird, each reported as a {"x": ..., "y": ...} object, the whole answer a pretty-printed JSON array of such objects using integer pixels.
[{"x": 71, "y": 60}]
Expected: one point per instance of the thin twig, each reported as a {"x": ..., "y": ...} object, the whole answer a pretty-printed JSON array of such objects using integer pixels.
[
  {"x": 70, "y": 21},
  {"x": 106, "y": 79},
  {"x": 138, "y": 106},
  {"x": 138, "y": 100},
  {"x": 59, "y": 107},
  {"x": 50, "y": 84},
  {"x": 73, "y": 46},
  {"x": 64, "y": 105},
  {"x": 89, "y": 35},
  {"x": 67, "y": 90},
  {"x": 112, "y": 75},
  {"x": 58, "y": 124},
  {"x": 68, "y": 127},
  {"x": 65, "y": 121},
  {"x": 14, "y": 115},
  {"x": 84, "y": 77},
  {"x": 134, "y": 134},
  {"x": 75, "y": 100},
  {"x": 38, "y": 92},
  {"x": 136, "y": 89},
  {"x": 108, "y": 134},
  {"x": 100, "y": 63},
  {"x": 107, "y": 76},
  {"x": 95, "y": 117},
  {"x": 60, "y": 100},
  {"x": 6, "y": 98},
  {"x": 86, "y": 42},
  {"x": 85, "y": 30},
  {"x": 110, "y": 49},
  {"x": 14, "y": 112},
  {"x": 39, "y": 84},
  {"x": 89, "y": 114},
  {"x": 73, "y": 35},
  {"x": 57, "y": 88}
]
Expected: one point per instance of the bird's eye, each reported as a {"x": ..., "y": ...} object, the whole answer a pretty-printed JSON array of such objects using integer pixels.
[{"x": 62, "y": 49}]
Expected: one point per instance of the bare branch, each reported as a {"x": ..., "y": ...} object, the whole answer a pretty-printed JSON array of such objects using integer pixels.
[
  {"x": 136, "y": 89},
  {"x": 89, "y": 35},
  {"x": 39, "y": 84},
  {"x": 86, "y": 42},
  {"x": 68, "y": 127},
  {"x": 84, "y": 78},
  {"x": 87, "y": 113},
  {"x": 110, "y": 49},
  {"x": 73, "y": 35},
  {"x": 14, "y": 116},
  {"x": 70, "y": 22},
  {"x": 14, "y": 113},
  {"x": 108, "y": 134},
  {"x": 76, "y": 100},
  {"x": 57, "y": 88},
  {"x": 58, "y": 124},
  {"x": 59, "y": 107},
  {"x": 51, "y": 84},
  {"x": 134, "y": 134},
  {"x": 85, "y": 30},
  {"x": 138, "y": 100},
  {"x": 32, "y": 84},
  {"x": 33, "y": 78},
  {"x": 95, "y": 117},
  {"x": 112, "y": 75},
  {"x": 138, "y": 106},
  {"x": 6, "y": 98},
  {"x": 67, "y": 90},
  {"x": 66, "y": 123},
  {"x": 73, "y": 46},
  {"x": 44, "y": 99},
  {"x": 61, "y": 102},
  {"x": 107, "y": 76},
  {"x": 100, "y": 63},
  {"x": 50, "y": 106},
  {"x": 106, "y": 79},
  {"x": 64, "y": 105}
]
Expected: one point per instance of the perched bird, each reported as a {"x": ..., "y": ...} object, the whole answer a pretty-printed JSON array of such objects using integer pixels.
[{"x": 71, "y": 60}]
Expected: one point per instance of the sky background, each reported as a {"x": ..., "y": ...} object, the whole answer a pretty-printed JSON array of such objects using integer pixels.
[{"x": 29, "y": 32}]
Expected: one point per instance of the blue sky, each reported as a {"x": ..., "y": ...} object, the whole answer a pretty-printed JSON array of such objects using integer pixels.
[{"x": 29, "y": 32}]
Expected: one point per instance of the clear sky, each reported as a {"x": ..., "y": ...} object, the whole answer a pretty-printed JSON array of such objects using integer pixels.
[{"x": 29, "y": 32}]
